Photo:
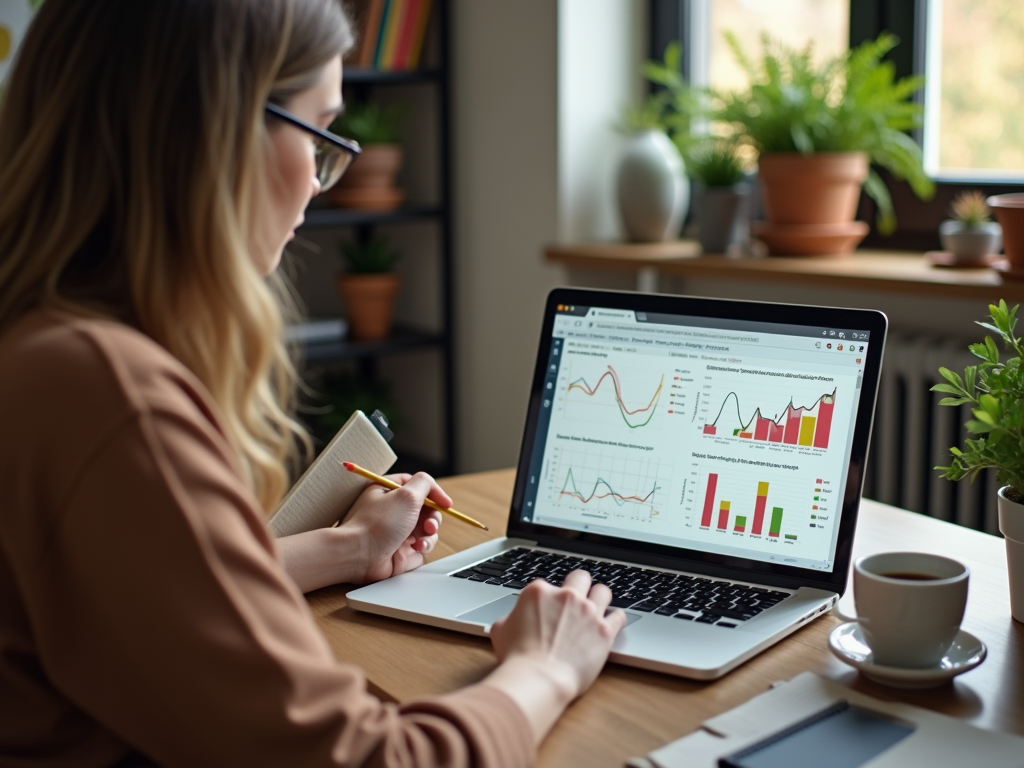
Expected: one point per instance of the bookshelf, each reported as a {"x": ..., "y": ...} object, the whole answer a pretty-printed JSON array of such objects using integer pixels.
[{"x": 429, "y": 85}]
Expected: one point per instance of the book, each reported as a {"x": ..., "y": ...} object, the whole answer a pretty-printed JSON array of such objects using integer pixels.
[
  {"x": 396, "y": 11},
  {"x": 370, "y": 30},
  {"x": 378, "y": 47},
  {"x": 419, "y": 35},
  {"x": 405, "y": 32},
  {"x": 326, "y": 491}
]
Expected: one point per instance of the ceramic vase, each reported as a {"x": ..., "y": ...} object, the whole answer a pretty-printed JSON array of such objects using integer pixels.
[
  {"x": 652, "y": 188},
  {"x": 722, "y": 216},
  {"x": 1011, "y": 525}
]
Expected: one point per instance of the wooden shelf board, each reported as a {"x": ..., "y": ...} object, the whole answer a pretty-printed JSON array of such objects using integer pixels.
[
  {"x": 348, "y": 217},
  {"x": 400, "y": 340},
  {"x": 886, "y": 271},
  {"x": 360, "y": 75}
]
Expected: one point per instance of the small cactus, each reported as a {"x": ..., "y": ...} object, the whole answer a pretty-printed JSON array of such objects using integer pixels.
[{"x": 970, "y": 209}]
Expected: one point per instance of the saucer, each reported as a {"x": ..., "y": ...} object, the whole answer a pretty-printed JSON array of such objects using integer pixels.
[{"x": 847, "y": 643}]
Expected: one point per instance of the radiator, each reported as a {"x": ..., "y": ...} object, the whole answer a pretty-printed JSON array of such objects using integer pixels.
[{"x": 912, "y": 434}]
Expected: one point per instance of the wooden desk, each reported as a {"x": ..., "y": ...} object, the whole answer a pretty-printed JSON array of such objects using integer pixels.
[{"x": 630, "y": 712}]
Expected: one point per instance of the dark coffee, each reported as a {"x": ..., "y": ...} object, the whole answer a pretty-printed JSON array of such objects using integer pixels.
[{"x": 910, "y": 576}]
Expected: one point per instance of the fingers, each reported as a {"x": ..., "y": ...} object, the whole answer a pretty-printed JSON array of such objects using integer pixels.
[
  {"x": 579, "y": 582},
  {"x": 601, "y": 596}
]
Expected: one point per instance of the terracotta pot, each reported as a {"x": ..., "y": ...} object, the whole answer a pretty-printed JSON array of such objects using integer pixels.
[
  {"x": 810, "y": 239},
  {"x": 369, "y": 183},
  {"x": 1010, "y": 213},
  {"x": 821, "y": 188},
  {"x": 369, "y": 303}
]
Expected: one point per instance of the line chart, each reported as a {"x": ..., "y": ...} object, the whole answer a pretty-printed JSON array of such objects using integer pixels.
[
  {"x": 618, "y": 498},
  {"x": 583, "y": 386}
]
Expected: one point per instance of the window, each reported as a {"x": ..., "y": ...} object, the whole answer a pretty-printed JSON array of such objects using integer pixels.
[{"x": 974, "y": 97}]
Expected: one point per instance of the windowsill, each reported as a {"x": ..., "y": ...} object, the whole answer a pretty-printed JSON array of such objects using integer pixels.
[{"x": 881, "y": 271}]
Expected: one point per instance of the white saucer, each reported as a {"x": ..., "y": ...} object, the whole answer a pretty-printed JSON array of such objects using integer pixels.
[{"x": 967, "y": 652}]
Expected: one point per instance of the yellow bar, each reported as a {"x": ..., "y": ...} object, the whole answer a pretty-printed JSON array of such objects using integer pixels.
[
  {"x": 807, "y": 430},
  {"x": 725, "y": 505},
  {"x": 762, "y": 489}
]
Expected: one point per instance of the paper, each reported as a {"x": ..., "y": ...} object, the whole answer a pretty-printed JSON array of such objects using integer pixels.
[{"x": 326, "y": 491}]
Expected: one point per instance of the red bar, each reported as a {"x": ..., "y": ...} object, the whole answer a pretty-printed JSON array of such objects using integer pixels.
[
  {"x": 824, "y": 423},
  {"x": 761, "y": 429},
  {"x": 792, "y": 426},
  {"x": 709, "y": 501},
  {"x": 759, "y": 514},
  {"x": 739, "y": 529},
  {"x": 723, "y": 517},
  {"x": 775, "y": 433},
  {"x": 709, "y": 429},
  {"x": 773, "y": 535}
]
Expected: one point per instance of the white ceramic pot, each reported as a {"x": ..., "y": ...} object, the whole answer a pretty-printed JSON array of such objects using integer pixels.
[
  {"x": 1011, "y": 525},
  {"x": 970, "y": 244},
  {"x": 652, "y": 188}
]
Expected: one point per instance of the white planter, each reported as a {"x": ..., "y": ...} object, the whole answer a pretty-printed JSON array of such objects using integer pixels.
[
  {"x": 652, "y": 188},
  {"x": 1011, "y": 525}
]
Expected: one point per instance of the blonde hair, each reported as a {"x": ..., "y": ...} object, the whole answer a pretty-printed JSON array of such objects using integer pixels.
[{"x": 132, "y": 139}]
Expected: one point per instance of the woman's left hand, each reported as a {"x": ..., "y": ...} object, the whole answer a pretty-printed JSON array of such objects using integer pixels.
[{"x": 394, "y": 531}]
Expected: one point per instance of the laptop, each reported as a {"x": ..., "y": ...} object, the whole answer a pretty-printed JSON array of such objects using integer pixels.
[{"x": 703, "y": 458}]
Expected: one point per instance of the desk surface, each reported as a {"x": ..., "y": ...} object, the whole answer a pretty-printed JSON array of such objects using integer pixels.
[{"x": 629, "y": 712}]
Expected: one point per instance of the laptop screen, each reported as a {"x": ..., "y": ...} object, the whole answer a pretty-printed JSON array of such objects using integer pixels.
[{"x": 715, "y": 435}]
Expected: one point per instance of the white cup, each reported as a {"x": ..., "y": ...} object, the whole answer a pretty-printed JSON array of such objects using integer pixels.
[{"x": 909, "y": 606}]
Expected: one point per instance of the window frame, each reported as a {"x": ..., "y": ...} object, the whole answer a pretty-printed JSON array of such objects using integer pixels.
[{"x": 918, "y": 219}]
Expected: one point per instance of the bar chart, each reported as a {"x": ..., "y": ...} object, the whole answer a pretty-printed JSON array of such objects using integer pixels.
[{"x": 807, "y": 426}]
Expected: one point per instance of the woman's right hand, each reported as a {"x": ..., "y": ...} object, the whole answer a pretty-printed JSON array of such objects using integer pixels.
[{"x": 562, "y": 632}]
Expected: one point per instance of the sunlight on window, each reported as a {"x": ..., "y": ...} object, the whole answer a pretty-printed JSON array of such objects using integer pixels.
[
  {"x": 793, "y": 22},
  {"x": 975, "y": 90}
]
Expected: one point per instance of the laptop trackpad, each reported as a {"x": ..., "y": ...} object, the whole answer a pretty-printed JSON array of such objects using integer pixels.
[{"x": 502, "y": 607}]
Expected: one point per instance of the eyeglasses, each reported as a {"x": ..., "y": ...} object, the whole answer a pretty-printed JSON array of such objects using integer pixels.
[{"x": 333, "y": 153}]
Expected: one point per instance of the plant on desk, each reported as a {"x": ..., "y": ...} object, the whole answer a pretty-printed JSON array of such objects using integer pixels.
[
  {"x": 994, "y": 391},
  {"x": 368, "y": 287},
  {"x": 370, "y": 183}
]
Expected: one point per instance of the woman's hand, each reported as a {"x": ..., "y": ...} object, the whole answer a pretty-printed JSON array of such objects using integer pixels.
[
  {"x": 387, "y": 532},
  {"x": 553, "y": 645},
  {"x": 392, "y": 528}
]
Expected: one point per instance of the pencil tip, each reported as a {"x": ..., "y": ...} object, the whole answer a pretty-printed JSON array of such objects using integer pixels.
[{"x": 347, "y": 465}]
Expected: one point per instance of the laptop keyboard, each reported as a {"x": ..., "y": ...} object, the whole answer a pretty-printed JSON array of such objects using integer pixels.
[{"x": 690, "y": 598}]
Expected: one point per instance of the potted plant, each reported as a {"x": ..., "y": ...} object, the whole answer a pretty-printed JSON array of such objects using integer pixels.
[
  {"x": 970, "y": 238},
  {"x": 994, "y": 391},
  {"x": 368, "y": 287},
  {"x": 369, "y": 183},
  {"x": 651, "y": 186},
  {"x": 1009, "y": 210},
  {"x": 815, "y": 130},
  {"x": 721, "y": 193}
]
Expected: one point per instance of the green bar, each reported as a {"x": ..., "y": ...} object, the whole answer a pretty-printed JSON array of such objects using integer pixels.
[
  {"x": 736, "y": 432},
  {"x": 741, "y": 520},
  {"x": 791, "y": 536},
  {"x": 815, "y": 498},
  {"x": 814, "y": 517},
  {"x": 776, "y": 524}
]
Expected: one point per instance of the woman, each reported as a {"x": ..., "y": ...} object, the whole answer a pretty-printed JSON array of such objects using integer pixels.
[{"x": 154, "y": 161}]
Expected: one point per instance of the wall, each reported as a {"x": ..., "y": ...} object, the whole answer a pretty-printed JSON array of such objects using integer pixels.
[{"x": 537, "y": 85}]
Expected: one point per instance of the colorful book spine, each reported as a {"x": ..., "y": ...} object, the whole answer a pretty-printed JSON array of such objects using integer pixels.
[
  {"x": 392, "y": 28},
  {"x": 408, "y": 27},
  {"x": 419, "y": 35},
  {"x": 371, "y": 31},
  {"x": 379, "y": 47}
]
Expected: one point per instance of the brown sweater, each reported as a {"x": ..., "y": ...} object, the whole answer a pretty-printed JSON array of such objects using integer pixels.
[{"x": 143, "y": 610}]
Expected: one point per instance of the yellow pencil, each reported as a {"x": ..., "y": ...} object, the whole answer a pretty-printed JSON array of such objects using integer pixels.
[{"x": 427, "y": 502}]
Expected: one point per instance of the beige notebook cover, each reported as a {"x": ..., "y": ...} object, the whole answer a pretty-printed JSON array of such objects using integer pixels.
[{"x": 326, "y": 491}]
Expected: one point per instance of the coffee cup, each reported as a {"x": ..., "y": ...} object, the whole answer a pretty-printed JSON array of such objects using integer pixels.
[{"x": 909, "y": 606}]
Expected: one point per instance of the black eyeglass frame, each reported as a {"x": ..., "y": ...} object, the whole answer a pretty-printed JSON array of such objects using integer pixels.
[{"x": 347, "y": 144}]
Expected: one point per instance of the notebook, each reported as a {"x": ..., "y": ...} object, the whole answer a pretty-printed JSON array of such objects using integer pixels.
[{"x": 703, "y": 458}]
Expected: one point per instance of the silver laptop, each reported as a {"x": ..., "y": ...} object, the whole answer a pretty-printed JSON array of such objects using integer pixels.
[{"x": 703, "y": 458}]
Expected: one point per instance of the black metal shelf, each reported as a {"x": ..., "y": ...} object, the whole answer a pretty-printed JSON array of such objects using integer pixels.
[
  {"x": 363, "y": 76},
  {"x": 350, "y": 217},
  {"x": 400, "y": 340}
]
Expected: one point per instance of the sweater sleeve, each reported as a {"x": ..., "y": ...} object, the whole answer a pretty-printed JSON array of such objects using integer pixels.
[{"x": 159, "y": 608}]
